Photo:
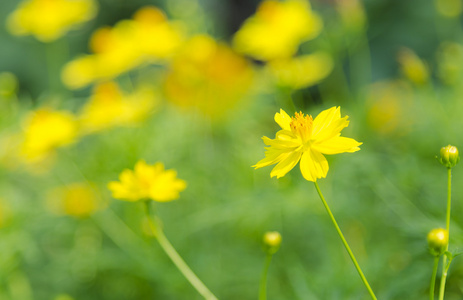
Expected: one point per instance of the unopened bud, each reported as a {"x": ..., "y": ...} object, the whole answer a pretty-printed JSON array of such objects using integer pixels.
[
  {"x": 449, "y": 156},
  {"x": 272, "y": 241},
  {"x": 438, "y": 240}
]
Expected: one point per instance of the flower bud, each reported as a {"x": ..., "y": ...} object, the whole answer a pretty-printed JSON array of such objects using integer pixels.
[
  {"x": 438, "y": 240},
  {"x": 272, "y": 241},
  {"x": 449, "y": 156}
]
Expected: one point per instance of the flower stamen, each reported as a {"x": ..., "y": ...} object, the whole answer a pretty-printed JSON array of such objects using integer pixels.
[{"x": 301, "y": 125}]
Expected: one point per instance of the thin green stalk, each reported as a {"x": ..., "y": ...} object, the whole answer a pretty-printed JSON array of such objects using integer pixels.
[
  {"x": 263, "y": 279},
  {"x": 433, "y": 278},
  {"x": 346, "y": 245},
  {"x": 447, "y": 226},
  {"x": 175, "y": 257}
]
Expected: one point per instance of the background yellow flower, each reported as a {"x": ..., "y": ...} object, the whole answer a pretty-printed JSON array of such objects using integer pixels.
[
  {"x": 147, "y": 182},
  {"x": 277, "y": 29},
  {"x": 109, "y": 107},
  {"x": 45, "y": 130},
  {"x": 48, "y": 20}
]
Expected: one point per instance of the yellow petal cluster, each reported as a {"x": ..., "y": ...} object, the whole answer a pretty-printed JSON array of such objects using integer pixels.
[
  {"x": 45, "y": 130},
  {"x": 207, "y": 75},
  {"x": 301, "y": 71},
  {"x": 305, "y": 140},
  {"x": 76, "y": 199},
  {"x": 277, "y": 29},
  {"x": 147, "y": 182},
  {"x": 109, "y": 107},
  {"x": 148, "y": 38},
  {"x": 48, "y": 20}
]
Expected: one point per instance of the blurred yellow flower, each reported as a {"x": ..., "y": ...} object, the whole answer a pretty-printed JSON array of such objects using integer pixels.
[
  {"x": 148, "y": 38},
  {"x": 147, "y": 182},
  {"x": 44, "y": 131},
  {"x": 109, "y": 107},
  {"x": 48, "y": 20},
  {"x": 413, "y": 67},
  {"x": 76, "y": 199},
  {"x": 304, "y": 139},
  {"x": 301, "y": 71},
  {"x": 352, "y": 14},
  {"x": 277, "y": 29},
  {"x": 450, "y": 63},
  {"x": 449, "y": 8},
  {"x": 207, "y": 75},
  {"x": 389, "y": 107}
]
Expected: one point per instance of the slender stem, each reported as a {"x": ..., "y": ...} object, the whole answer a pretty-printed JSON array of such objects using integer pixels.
[
  {"x": 447, "y": 226},
  {"x": 433, "y": 278},
  {"x": 263, "y": 279},
  {"x": 449, "y": 200},
  {"x": 175, "y": 257},
  {"x": 346, "y": 245}
]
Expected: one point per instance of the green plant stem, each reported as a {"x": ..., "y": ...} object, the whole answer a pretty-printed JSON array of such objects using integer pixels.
[
  {"x": 447, "y": 227},
  {"x": 175, "y": 257},
  {"x": 346, "y": 245},
  {"x": 263, "y": 279},
  {"x": 433, "y": 278}
]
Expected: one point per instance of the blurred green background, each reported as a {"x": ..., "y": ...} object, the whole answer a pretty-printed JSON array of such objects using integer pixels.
[{"x": 396, "y": 71}]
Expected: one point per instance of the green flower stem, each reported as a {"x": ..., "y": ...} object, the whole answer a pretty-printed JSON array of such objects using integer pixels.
[
  {"x": 175, "y": 257},
  {"x": 346, "y": 245},
  {"x": 263, "y": 279},
  {"x": 447, "y": 226},
  {"x": 433, "y": 278}
]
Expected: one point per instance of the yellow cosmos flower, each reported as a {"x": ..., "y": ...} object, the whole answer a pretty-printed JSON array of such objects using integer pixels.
[
  {"x": 304, "y": 139},
  {"x": 277, "y": 29},
  {"x": 44, "y": 131},
  {"x": 209, "y": 76},
  {"x": 48, "y": 20},
  {"x": 147, "y": 182},
  {"x": 109, "y": 107},
  {"x": 301, "y": 71},
  {"x": 76, "y": 199},
  {"x": 148, "y": 37}
]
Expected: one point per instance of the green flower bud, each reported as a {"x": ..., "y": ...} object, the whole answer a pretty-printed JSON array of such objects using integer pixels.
[
  {"x": 438, "y": 239},
  {"x": 272, "y": 241},
  {"x": 449, "y": 156}
]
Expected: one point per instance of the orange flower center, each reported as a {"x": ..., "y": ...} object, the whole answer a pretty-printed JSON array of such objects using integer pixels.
[{"x": 301, "y": 125}]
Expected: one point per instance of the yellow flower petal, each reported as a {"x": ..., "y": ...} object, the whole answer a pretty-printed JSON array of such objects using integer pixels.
[
  {"x": 283, "y": 119},
  {"x": 313, "y": 165},
  {"x": 281, "y": 144},
  {"x": 328, "y": 124},
  {"x": 286, "y": 165},
  {"x": 272, "y": 156},
  {"x": 337, "y": 145}
]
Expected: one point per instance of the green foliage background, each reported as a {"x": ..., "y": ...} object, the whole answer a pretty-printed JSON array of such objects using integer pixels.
[{"x": 386, "y": 197}]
